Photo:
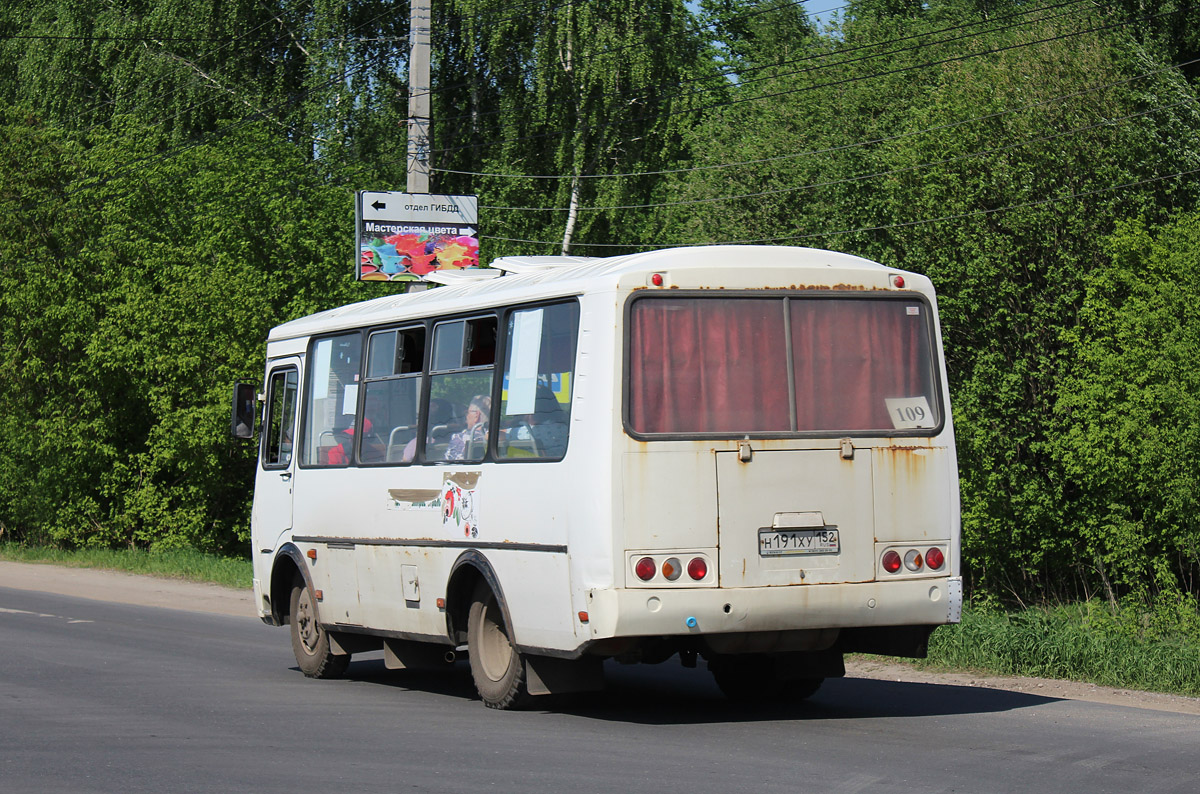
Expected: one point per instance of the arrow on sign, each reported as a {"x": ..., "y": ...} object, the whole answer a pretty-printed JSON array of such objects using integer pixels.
[
  {"x": 379, "y": 205},
  {"x": 468, "y": 232}
]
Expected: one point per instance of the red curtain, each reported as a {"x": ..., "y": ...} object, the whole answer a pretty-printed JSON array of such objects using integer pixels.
[
  {"x": 852, "y": 354},
  {"x": 705, "y": 365},
  {"x": 719, "y": 365}
]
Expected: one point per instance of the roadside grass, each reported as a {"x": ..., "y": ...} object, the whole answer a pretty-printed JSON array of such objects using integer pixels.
[
  {"x": 169, "y": 564},
  {"x": 1131, "y": 647}
]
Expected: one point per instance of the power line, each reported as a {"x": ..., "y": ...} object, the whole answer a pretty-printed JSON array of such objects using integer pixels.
[
  {"x": 649, "y": 40},
  {"x": 861, "y": 177},
  {"x": 211, "y": 54},
  {"x": 887, "y": 227},
  {"x": 210, "y": 137},
  {"x": 758, "y": 98},
  {"x": 841, "y": 147},
  {"x": 225, "y": 39},
  {"x": 841, "y": 52}
]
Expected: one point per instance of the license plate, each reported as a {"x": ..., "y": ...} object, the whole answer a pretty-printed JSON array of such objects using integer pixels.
[{"x": 774, "y": 542}]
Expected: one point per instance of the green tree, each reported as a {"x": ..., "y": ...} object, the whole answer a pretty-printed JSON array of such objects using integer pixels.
[
  {"x": 149, "y": 293},
  {"x": 564, "y": 90},
  {"x": 1130, "y": 403}
]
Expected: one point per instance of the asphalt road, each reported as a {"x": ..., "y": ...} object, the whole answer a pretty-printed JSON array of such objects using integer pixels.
[{"x": 101, "y": 697}]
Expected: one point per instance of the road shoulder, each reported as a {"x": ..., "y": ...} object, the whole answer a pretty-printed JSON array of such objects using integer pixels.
[{"x": 127, "y": 588}]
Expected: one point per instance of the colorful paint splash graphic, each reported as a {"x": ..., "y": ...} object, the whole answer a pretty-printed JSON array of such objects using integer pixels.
[{"x": 408, "y": 257}]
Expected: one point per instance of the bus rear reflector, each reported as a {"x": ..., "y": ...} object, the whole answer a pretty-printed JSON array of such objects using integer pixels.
[{"x": 645, "y": 569}]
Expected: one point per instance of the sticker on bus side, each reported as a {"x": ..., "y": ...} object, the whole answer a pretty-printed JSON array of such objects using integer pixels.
[
  {"x": 461, "y": 506},
  {"x": 909, "y": 412}
]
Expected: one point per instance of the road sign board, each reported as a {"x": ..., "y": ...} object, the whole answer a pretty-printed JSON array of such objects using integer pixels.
[{"x": 405, "y": 236}]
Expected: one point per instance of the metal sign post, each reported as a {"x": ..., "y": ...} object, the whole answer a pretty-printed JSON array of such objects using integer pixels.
[{"x": 419, "y": 84}]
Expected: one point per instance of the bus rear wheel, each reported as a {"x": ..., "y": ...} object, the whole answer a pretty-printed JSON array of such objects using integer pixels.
[
  {"x": 496, "y": 666},
  {"x": 310, "y": 642}
]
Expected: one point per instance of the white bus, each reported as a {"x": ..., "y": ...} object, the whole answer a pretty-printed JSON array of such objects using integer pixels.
[{"x": 739, "y": 454}]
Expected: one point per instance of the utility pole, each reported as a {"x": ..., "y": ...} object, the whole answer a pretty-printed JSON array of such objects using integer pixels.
[{"x": 419, "y": 26}]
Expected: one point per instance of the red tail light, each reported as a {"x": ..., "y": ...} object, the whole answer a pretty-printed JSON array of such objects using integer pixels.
[
  {"x": 645, "y": 568},
  {"x": 934, "y": 558},
  {"x": 891, "y": 561},
  {"x": 697, "y": 568}
]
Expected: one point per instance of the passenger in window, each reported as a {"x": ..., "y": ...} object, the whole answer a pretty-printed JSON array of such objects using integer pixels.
[
  {"x": 339, "y": 453},
  {"x": 475, "y": 433},
  {"x": 441, "y": 416}
]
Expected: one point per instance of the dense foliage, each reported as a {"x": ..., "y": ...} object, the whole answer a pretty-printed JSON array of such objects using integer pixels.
[{"x": 178, "y": 177}]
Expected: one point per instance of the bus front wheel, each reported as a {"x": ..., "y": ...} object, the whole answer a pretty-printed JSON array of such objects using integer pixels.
[
  {"x": 496, "y": 666},
  {"x": 310, "y": 642}
]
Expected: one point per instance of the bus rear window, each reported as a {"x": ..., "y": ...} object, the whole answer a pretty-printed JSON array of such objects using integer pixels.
[{"x": 827, "y": 365}]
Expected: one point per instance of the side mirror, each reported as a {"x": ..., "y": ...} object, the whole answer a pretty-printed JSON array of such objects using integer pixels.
[{"x": 245, "y": 397}]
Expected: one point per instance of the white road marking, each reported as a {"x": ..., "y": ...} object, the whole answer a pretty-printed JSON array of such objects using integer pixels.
[{"x": 44, "y": 615}]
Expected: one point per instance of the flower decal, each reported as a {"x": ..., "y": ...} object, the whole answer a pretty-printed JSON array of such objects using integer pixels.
[{"x": 459, "y": 506}]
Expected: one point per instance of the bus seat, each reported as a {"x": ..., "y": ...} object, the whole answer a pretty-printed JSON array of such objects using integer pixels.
[{"x": 397, "y": 440}]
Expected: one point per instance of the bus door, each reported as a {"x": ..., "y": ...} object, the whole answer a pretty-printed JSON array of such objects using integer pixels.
[
  {"x": 795, "y": 517},
  {"x": 277, "y": 461}
]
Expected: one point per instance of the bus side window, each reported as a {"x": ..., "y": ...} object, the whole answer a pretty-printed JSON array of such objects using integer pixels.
[
  {"x": 332, "y": 400},
  {"x": 539, "y": 366},
  {"x": 460, "y": 387},
  {"x": 395, "y": 360}
]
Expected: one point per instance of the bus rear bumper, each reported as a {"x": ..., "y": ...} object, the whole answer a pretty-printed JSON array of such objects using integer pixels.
[{"x": 699, "y": 611}]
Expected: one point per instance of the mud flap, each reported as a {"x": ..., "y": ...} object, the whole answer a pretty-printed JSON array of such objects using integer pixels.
[
  {"x": 410, "y": 655},
  {"x": 546, "y": 675}
]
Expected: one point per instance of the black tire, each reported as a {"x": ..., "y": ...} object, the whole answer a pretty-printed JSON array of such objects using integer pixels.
[
  {"x": 496, "y": 666},
  {"x": 310, "y": 642},
  {"x": 754, "y": 678},
  {"x": 802, "y": 688}
]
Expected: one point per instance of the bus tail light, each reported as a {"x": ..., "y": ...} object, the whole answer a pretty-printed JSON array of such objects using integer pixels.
[
  {"x": 891, "y": 561},
  {"x": 645, "y": 569},
  {"x": 934, "y": 558},
  {"x": 913, "y": 560},
  {"x": 698, "y": 568}
]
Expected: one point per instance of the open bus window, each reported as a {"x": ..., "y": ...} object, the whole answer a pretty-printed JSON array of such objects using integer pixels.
[
  {"x": 460, "y": 385},
  {"x": 332, "y": 400},
  {"x": 726, "y": 366},
  {"x": 536, "y": 396},
  {"x": 392, "y": 391}
]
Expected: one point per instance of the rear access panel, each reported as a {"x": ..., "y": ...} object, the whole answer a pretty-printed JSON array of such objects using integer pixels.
[{"x": 795, "y": 517}]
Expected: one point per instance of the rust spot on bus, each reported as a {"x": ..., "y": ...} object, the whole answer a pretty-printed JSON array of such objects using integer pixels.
[{"x": 912, "y": 459}]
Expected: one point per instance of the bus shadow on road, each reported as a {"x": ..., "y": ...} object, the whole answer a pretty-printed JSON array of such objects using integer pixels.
[
  {"x": 454, "y": 680},
  {"x": 679, "y": 696},
  {"x": 671, "y": 694}
]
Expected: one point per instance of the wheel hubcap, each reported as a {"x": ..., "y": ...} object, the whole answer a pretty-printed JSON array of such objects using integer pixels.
[
  {"x": 496, "y": 651},
  {"x": 306, "y": 623}
]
